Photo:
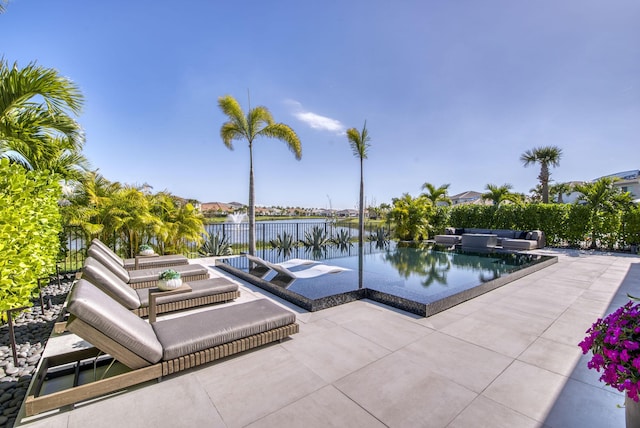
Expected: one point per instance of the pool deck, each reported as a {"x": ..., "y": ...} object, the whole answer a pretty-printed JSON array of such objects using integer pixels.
[{"x": 508, "y": 358}]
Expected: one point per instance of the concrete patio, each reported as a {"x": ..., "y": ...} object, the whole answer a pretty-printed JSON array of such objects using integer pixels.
[{"x": 508, "y": 358}]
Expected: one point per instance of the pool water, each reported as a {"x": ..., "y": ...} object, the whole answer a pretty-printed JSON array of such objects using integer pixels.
[{"x": 422, "y": 281}]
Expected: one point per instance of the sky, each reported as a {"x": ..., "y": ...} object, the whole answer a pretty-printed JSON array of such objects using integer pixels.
[{"x": 452, "y": 92}]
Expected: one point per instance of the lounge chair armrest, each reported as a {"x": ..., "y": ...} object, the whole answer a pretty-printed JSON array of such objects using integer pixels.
[{"x": 154, "y": 293}]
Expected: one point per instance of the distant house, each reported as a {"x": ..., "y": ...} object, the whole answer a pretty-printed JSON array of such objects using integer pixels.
[
  {"x": 628, "y": 181},
  {"x": 468, "y": 197},
  {"x": 347, "y": 213},
  {"x": 220, "y": 208}
]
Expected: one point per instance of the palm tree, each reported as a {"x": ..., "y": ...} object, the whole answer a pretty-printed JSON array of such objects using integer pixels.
[
  {"x": 436, "y": 195},
  {"x": 601, "y": 197},
  {"x": 359, "y": 142},
  {"x": 546, "y": 156},
  {"x": 498, "y": 194},
  {"x": 36, "y": 108},
  {"x": 258, "y": 122},
  {"x": 560, "y": 189}
]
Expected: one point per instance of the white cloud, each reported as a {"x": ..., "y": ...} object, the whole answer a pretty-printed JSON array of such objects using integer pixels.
[{"x": 314, "y": 120}]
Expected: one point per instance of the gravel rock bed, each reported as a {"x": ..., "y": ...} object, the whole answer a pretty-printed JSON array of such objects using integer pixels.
[{"x": 32, "y": 330}]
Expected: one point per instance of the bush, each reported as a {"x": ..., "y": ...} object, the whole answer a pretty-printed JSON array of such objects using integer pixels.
[{"x": 29, "y": 227}]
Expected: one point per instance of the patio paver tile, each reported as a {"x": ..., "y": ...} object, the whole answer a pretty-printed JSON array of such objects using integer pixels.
[
  {"x": 527, "y": 389},
  {"x": 327, "y": 407},
  {"x": 469, "y": 365},
  {"x": 402, "y": 393},
  {"x": 334, "y": 353},
  {"x": 551, "y": 355},
  {"x": 486, "y": 413},
  {"x": 268, "y": 380}
]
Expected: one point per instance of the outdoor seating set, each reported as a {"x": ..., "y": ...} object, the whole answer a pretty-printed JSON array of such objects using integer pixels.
[
  {"x": 478, "y": 239},
  {"x": 105, "y": 307}
]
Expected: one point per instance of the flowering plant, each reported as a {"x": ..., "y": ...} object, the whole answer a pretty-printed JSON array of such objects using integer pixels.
[{"x": 614, "y": 342}]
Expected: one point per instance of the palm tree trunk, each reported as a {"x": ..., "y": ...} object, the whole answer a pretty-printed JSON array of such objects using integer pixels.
[
  {"x": 361, "y": 209},
  {"x": 544, "y": 180},
  {"x": 252, "y": 206}
]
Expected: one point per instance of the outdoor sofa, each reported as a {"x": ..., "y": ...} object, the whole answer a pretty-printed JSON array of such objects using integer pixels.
[
  {"x": 143, "y": 278},
  {"x": 152, "y": 350},
  {"x": 505, "y": 238},
  {"x": 142, "y": 262}
]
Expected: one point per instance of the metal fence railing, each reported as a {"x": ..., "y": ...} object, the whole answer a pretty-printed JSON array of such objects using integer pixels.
[{"x": 237, "y": 235}]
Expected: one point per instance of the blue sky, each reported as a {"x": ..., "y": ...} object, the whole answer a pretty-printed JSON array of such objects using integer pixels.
[{"x": 452, "y": 91}]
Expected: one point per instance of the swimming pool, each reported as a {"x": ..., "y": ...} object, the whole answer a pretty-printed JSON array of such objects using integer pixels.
[{"x": 418, "y": 280}]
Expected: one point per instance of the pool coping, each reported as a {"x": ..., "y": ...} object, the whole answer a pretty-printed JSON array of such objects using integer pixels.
[{"x": 422, "y": 309}]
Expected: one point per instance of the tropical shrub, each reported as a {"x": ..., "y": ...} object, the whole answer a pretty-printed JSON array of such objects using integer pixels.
[
  {"x": 343, "y": 239},
  {"x": 631, "y": 226},
  {"x": 29, "y": 231},
  {"x": 411, "y": 217},
  {"x": 316, "y": 238},
  {"x": 216, "y": 245},
  {"x": 439, "y": 220},
  {"x": 380, "y": 236}
]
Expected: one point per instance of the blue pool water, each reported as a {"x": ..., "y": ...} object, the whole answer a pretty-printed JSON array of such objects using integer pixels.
[{"x": 422, "y": 281}]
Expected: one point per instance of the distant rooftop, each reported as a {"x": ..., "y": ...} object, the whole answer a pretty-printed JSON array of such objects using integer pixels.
[{"x": 624, "y": 175}]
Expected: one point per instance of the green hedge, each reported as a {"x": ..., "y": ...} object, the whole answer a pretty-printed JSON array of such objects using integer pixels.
[
  {"x": 563, "y": 224},
  {"x": 29, "y": 226}
]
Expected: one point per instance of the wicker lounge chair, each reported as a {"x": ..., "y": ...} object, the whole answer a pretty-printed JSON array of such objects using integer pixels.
[
  {"x": 153, "y": 350},
  {"x": 144, "y": 278},
  {"x": 142, "y": 262},
  {"x": 202, "y": 292}
]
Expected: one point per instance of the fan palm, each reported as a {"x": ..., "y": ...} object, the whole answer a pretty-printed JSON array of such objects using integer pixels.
[
  {"x": 359, "y": 142},
  {"x": 258, "y": 122},
  {"x": 545, "y": 156}
]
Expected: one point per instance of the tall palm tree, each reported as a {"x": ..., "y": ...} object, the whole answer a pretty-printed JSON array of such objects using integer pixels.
[
  {"x": 498, "y": 194},
  {"x": 258, "y": 122},
  {"x": 359, "y": 142},
  {"x": 37, "y": 106},
  {"x": 436, "y": 195},
  {"x": 546, "y": 156}
]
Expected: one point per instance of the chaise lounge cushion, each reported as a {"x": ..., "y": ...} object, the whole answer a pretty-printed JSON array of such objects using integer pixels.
[
  {"x": 142, "y": 275},
  {"x": 199, "y": 288},
  {"x": 106, "y": 315},
  {"x": 149, "y": 262},
  {"x": 185, "y": 335},
  {"x": 107, "y": 281},
  {"x": 171, "y": 259},
  {"x": 152, "y": 274}
]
